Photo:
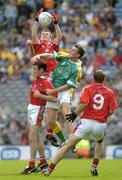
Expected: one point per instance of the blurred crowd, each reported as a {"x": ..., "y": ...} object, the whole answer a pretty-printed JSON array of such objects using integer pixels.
[{"x": 94, "y": 25}]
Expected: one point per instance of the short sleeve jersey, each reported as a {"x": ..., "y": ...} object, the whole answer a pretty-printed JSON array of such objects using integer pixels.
[
  {"x": 40, "y": 84},
  {"x": 66, "y": 72},
  {"x": 100, "y": 100},
  {"x": 43, "y": 48}
]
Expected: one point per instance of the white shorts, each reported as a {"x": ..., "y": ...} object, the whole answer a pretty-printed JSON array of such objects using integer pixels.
[
  {"x": 35, "y": 114},
  {"x": 62, "y": 98},
  {"x": 90, "y": 127}
]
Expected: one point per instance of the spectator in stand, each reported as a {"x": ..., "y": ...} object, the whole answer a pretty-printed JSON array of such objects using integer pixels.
[{"x": 11, "y": 13}]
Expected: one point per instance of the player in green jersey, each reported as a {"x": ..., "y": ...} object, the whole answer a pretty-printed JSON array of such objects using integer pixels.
[{"x": 67, "y": 75}]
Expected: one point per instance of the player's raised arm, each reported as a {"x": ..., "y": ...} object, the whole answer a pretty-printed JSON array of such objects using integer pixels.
[
  {"x": 58, "y": 32},
  {"x": 35, "y": 27},
  {"x": 31, "y": 51},
  {"x": 35, "y": 32}
]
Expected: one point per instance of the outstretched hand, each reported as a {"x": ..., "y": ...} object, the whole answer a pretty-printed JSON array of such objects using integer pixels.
[
  {"x": 71, "y": 116},
  {"x": 38, "y": 13},
  {"x": 54, "y": 17}
]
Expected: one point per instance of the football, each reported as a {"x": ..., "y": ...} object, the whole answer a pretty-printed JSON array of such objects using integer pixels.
[{"x": 44, "y": 19}]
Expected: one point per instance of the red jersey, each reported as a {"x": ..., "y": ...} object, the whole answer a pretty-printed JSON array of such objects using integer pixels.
[
  {"x": 100, "y": 100},
  {"x": 47, "y": 48},
  {"x": 40, "y": 84}
]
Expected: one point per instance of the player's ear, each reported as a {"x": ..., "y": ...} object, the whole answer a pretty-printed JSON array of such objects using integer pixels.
[{"x": 78, "y": 55}]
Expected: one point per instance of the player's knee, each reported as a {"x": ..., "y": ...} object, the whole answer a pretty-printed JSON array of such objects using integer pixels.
[
  {"x": 102, "y": 139},
  {"x": 51, "y": 123},
  {"x": 32, "y": 138}
]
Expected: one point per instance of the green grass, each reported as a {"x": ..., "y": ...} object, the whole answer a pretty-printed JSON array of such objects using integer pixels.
[{"x": 67, "y": 169}]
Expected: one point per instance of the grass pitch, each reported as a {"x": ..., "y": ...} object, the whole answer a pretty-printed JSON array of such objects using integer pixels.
[{"x": 67, "y": 169}]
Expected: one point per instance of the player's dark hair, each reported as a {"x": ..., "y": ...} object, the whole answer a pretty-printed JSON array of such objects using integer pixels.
[
  {"x": 81, "y": 51},
  {"x": 99, "y": 76},
  {"x": 41, "y": 64}
]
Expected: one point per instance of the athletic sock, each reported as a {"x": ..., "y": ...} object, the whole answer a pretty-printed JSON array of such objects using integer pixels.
[
  {"x": 49, "y": 131},
  {"x": 32, "y": 163},
  {"x": 51, "y": 166},
  {"x": 59, "y": 133},
  {"x": 95, "y": 163},
  {"x": 43, "y": 160}
]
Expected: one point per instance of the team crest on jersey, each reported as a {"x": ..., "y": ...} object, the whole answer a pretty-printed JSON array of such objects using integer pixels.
[
  {"x": 43, "y": 77},
  {"x": 46, "y": 50}
]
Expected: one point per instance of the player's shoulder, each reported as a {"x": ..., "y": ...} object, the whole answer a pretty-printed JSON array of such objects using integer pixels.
[
  {"x": 110, "y": 91},
  {"x": 87, "y": 87},
  {"x": 63, "y": 54}
]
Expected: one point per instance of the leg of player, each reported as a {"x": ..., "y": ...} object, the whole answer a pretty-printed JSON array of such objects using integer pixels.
[
  {"x": 52, "y": 124},
  {"x": 40, "y": 147},
  {"x": 33, "y": 149},
  {"x": 61, "y": 153},
  {"x": 66, "y": 108},
  {"x": 58, "y": 131},
  {"x": 97, "y": 154}
]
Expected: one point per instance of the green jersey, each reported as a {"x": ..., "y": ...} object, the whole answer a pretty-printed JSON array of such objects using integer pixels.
[{"x": 67, "y": 72}]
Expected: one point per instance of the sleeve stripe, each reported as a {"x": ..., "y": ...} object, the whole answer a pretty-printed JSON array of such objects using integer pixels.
[{"x": 79, "y": 75}]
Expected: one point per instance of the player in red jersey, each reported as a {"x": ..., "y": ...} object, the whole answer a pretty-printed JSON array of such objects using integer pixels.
[
  {"x": 36, "y": 108},
  {"x": 45, "y": 43},
  {"x": 97, "y": 103},
  {"x": 42, "y": 44}
]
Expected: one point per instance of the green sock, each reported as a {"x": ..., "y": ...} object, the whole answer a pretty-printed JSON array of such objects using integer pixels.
[
  {"x": 59, "y": 133},
  {"x": 61, "y": 136}
]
